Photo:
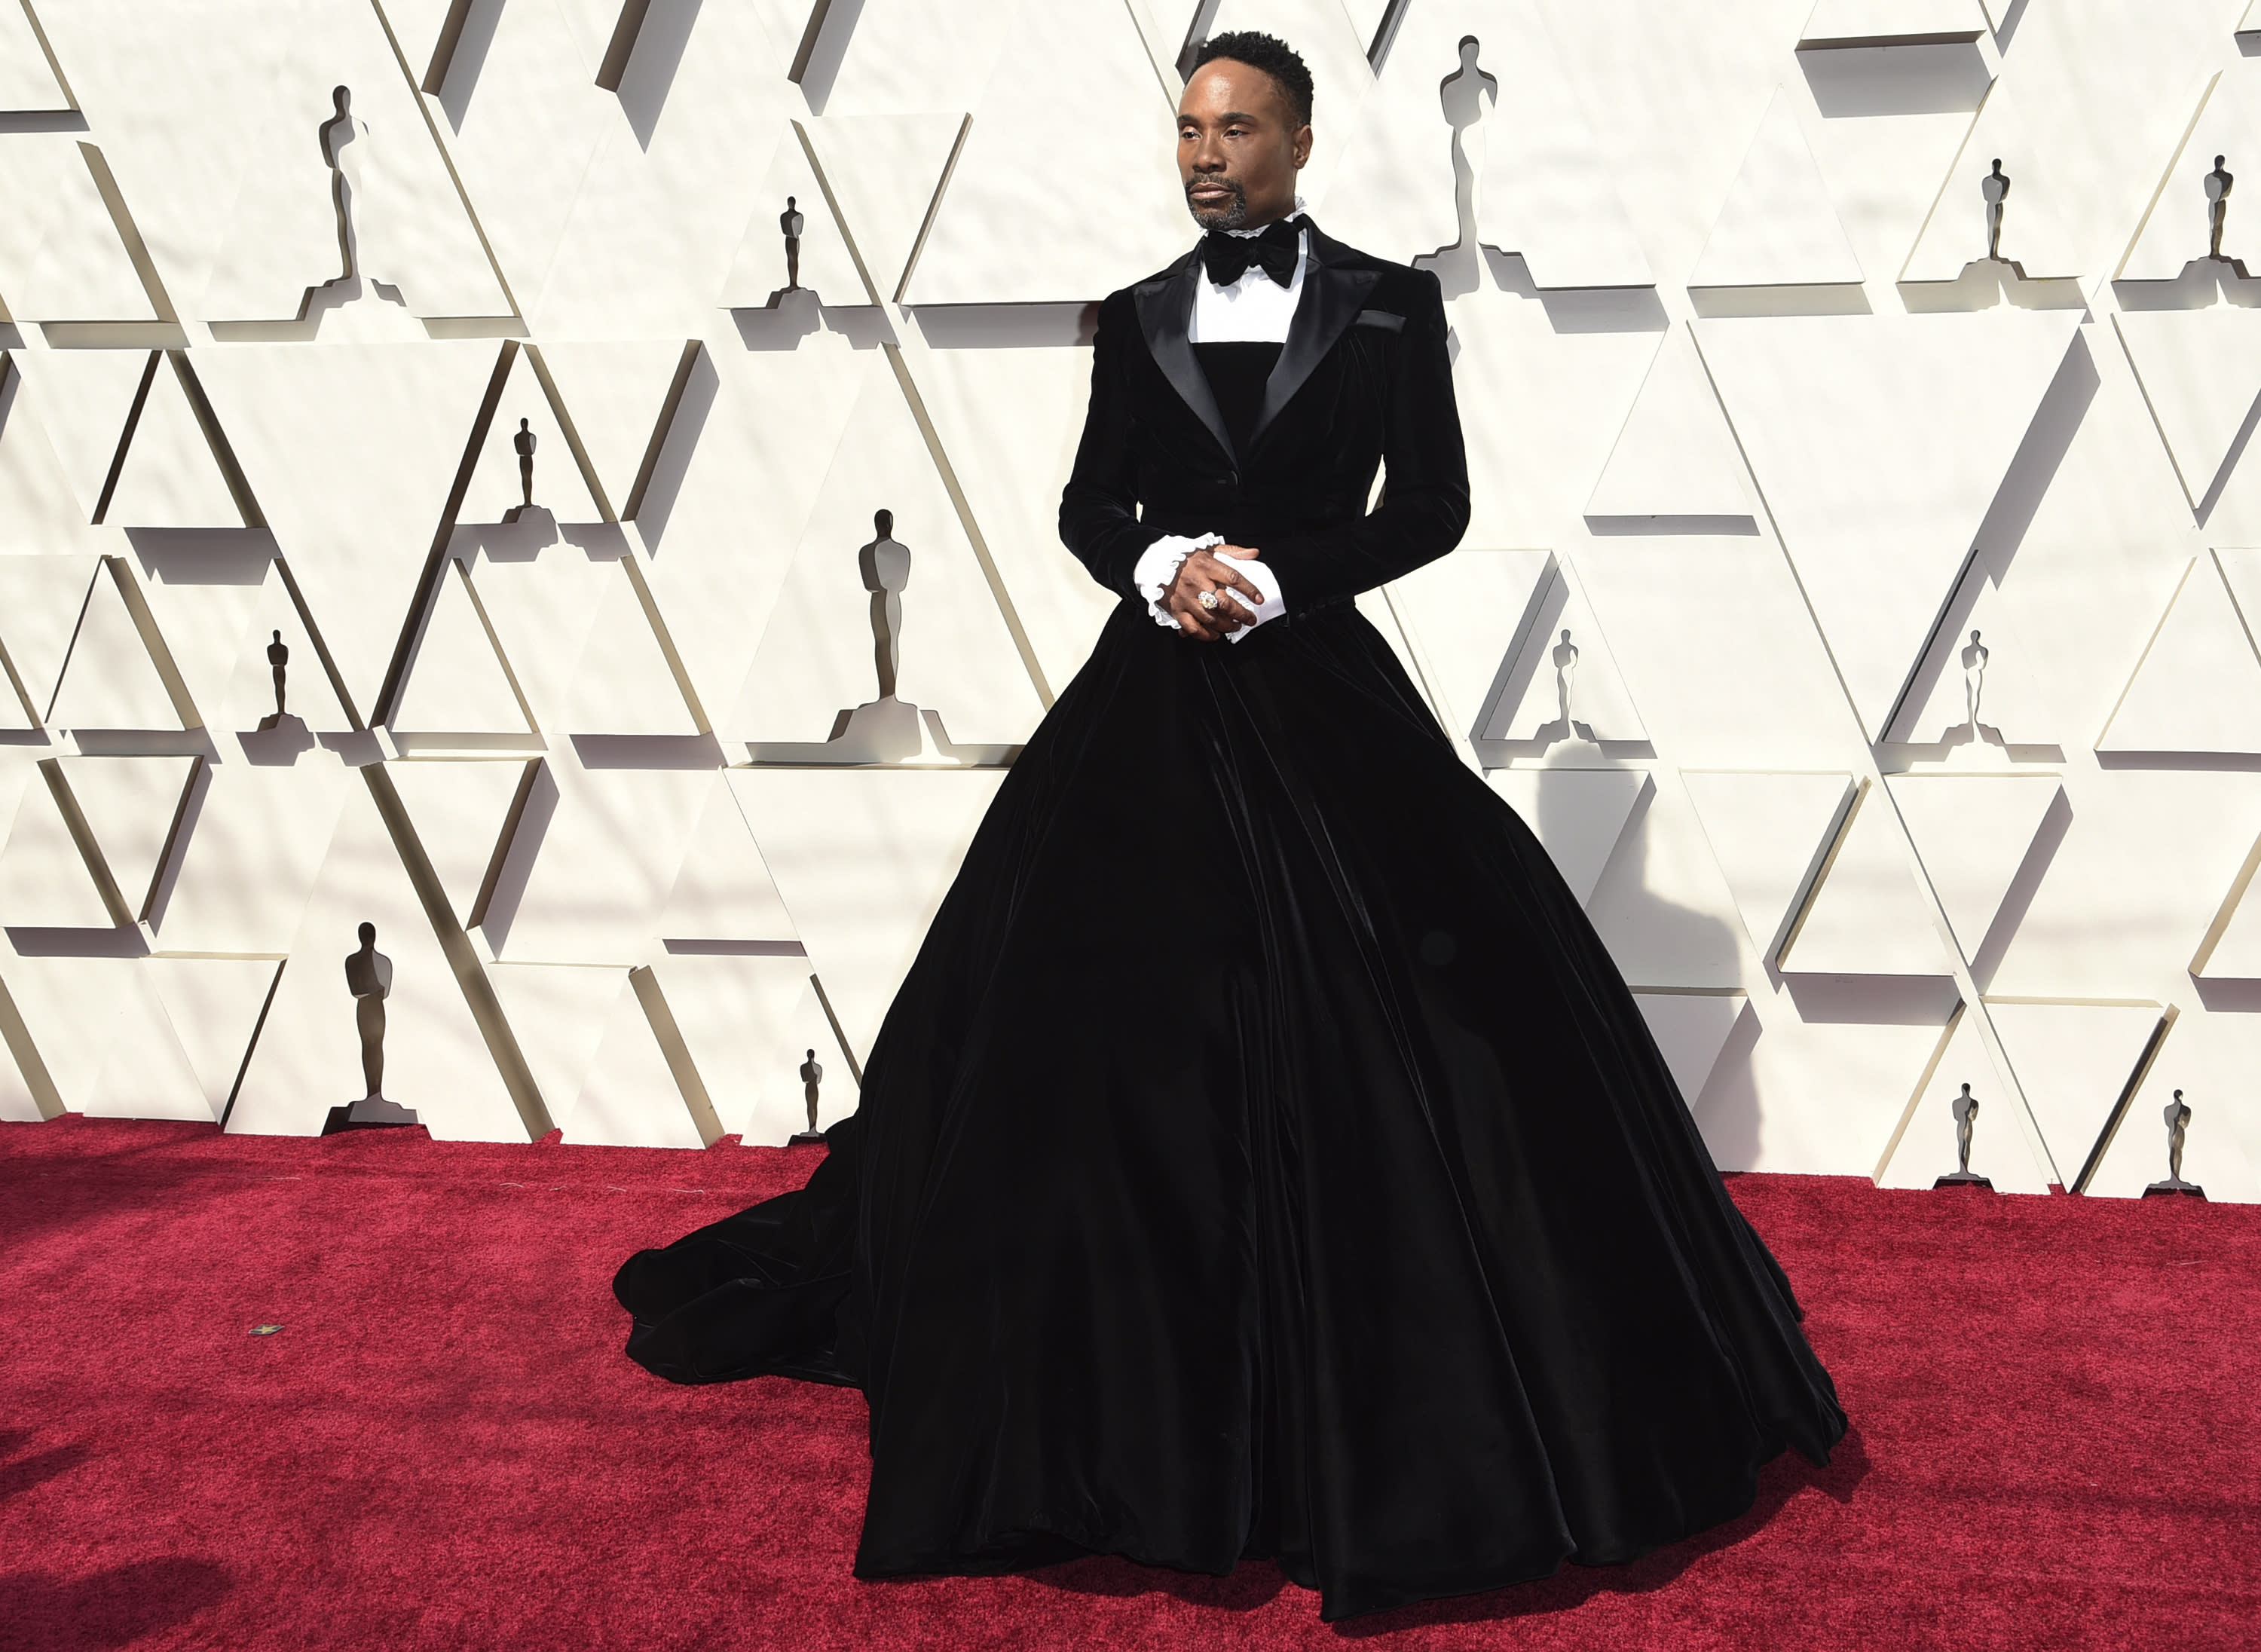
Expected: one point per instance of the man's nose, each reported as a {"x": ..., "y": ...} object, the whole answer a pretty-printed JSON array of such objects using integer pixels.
[{"x": 1208, "y": 157}]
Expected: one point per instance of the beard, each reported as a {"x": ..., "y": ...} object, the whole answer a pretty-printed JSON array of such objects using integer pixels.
[{"x": 1232, "y": 216}]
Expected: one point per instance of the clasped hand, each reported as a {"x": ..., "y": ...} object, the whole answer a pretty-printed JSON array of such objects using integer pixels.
[{"x": 1203, "y": 570}]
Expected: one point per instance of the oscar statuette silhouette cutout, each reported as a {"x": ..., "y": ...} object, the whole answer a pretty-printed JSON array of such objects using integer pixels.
[
  {"x": 812, "y": 1075},
  {"x": 278, "y": 660},
  {"x": 369, "y": 978},
  {"x": 2178, "y": 1118},
  {"x": 1965, "y": 1107}
]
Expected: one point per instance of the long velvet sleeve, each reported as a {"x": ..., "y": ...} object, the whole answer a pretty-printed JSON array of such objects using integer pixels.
[
  {"x": 1424, "y": 501},
  {"x": 1098, "y": 508}
]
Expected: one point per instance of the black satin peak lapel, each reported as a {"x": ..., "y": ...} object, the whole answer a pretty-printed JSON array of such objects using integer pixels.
[
  {"x": 1332, "y": 298},
  {"x": 1166, "y": 310}
]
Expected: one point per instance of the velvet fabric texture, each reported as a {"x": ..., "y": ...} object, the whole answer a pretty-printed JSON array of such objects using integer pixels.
[{"x": 1262, "y": 1155}]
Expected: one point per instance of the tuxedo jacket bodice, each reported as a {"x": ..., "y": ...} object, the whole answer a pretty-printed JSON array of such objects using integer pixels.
[{"x": 1364, "y": 381}]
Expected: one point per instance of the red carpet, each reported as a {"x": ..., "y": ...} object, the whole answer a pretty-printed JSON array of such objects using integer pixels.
[{"x": 2056, "y": 1429}]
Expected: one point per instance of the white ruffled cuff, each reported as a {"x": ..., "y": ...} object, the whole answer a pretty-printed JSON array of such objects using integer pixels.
[{"x": 1157, "y": 566}]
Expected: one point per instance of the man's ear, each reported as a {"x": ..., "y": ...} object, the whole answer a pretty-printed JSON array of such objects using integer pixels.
[{"x": 1301, "y": 147}]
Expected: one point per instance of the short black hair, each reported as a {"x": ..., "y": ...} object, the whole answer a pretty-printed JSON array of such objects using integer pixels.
[{"x": 1274, "y": 56}]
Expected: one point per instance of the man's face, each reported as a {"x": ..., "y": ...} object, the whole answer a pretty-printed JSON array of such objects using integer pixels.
[{"x": 1239, "y": 147}]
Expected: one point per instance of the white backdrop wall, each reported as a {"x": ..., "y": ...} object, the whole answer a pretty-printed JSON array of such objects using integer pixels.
[{"x": 1761, "y": 439}]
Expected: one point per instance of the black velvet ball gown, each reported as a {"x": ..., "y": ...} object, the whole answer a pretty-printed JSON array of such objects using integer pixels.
[{"x": 1263, "y": 1157}]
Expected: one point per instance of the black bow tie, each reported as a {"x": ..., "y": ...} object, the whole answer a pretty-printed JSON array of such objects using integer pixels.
[{"x": 1227, "y": 257}]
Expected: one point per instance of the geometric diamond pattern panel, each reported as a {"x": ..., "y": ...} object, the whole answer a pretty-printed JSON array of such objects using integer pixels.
[{"x": 435, "y": 488}]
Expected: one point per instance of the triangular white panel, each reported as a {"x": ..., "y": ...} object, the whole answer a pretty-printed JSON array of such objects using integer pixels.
[
  {"x": 1690, "y": 1029},
  {"x": 170, "y": 477},
  {"x": 2072, "y": 1060},
  {"x": 2201, "y": 370},
  {"x": 460, "y": 810},
  {"x": 2177, "y": 227},
  {"x": 1676, "y": 455},
  {"x": 863, "y": 857},
  {"x": 996, "y": 241},
  {"x": 559, "y": 1013},
  {"x": 83, "y": 399},
  {"x": 1540, "y": 187},
  {"x": 1545, "y": 191},
  {"x": 27, "y": 80},
  {"x": 1577, "y": 814},
  {"x": 732, "y": 494},
  {"x": 724, "y": 891},
  {"x": 541, "y": 593},
  {"x": 495, "y": 487},
  {"x": 1926, "y": 1149},
  {"x": 308, "y": 1058},
  {"x": 145, "y": 1072},
  {"x": 621, "y": 829},
  {"x": 1460, "y": 613},
  {"x": 750, "y": 1022},
  {"x": 41, "y": 599},
  {"x": 1769, "y": 832},
  {"x": 130, "y": 804},
  {"x": 18, "y": 715},
  {"x": 2206, "y": 1059},
  {"x": 1543, "y": 407},
  {"x": 526, "y": 125},
  {"x": 457, "y": 683},
  {"x": 1836, "y": 412},
  {"x": 248, "y": 697},
  {"x": 303, "y": 420},
  {"x": 111, "y": 680},
  {"x": 884, "y": 171},
  {"x": 50, "y": 995},
  {"x": 1009, "y": 420},
  {"x": 905, "y": 56},
  {"x": 1777, "y": 227},
  {"x": 2198, "y": 686},
  {"x": 827, "y": 268},
  {"x": 409, "y": 222},
  {"x": 816, "y": 658},
  {"x": 1663, "y": 908},
  {"x": 45, "y": 517},
  {"x": 2035, "y": 236},
  {"x": 213, "y": 1004},
  {"x": 616, "y": 391},
  {"x": 44, "y": 881},
  {"x": 256, "y": 845},
  {"x": 631, "y": 1097},
  {"x": 1884, "y": 22},
  {"x": 81, "y": 270},
  {"x": 2233, "y": 953},
  {"x": 1561, "y": 688},
  {"x": 1977, "y": 655},
  {"x": 2241, "y": 571},
  {"x": 416, "y": 27},
  {"x": 1866, "y": 917},
  {"x": 622, "y": 683},
  {"x": 1972, "y": 832}
]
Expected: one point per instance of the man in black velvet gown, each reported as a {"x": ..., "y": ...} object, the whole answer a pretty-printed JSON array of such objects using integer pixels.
[{"x": 1262, "y": 1156}]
